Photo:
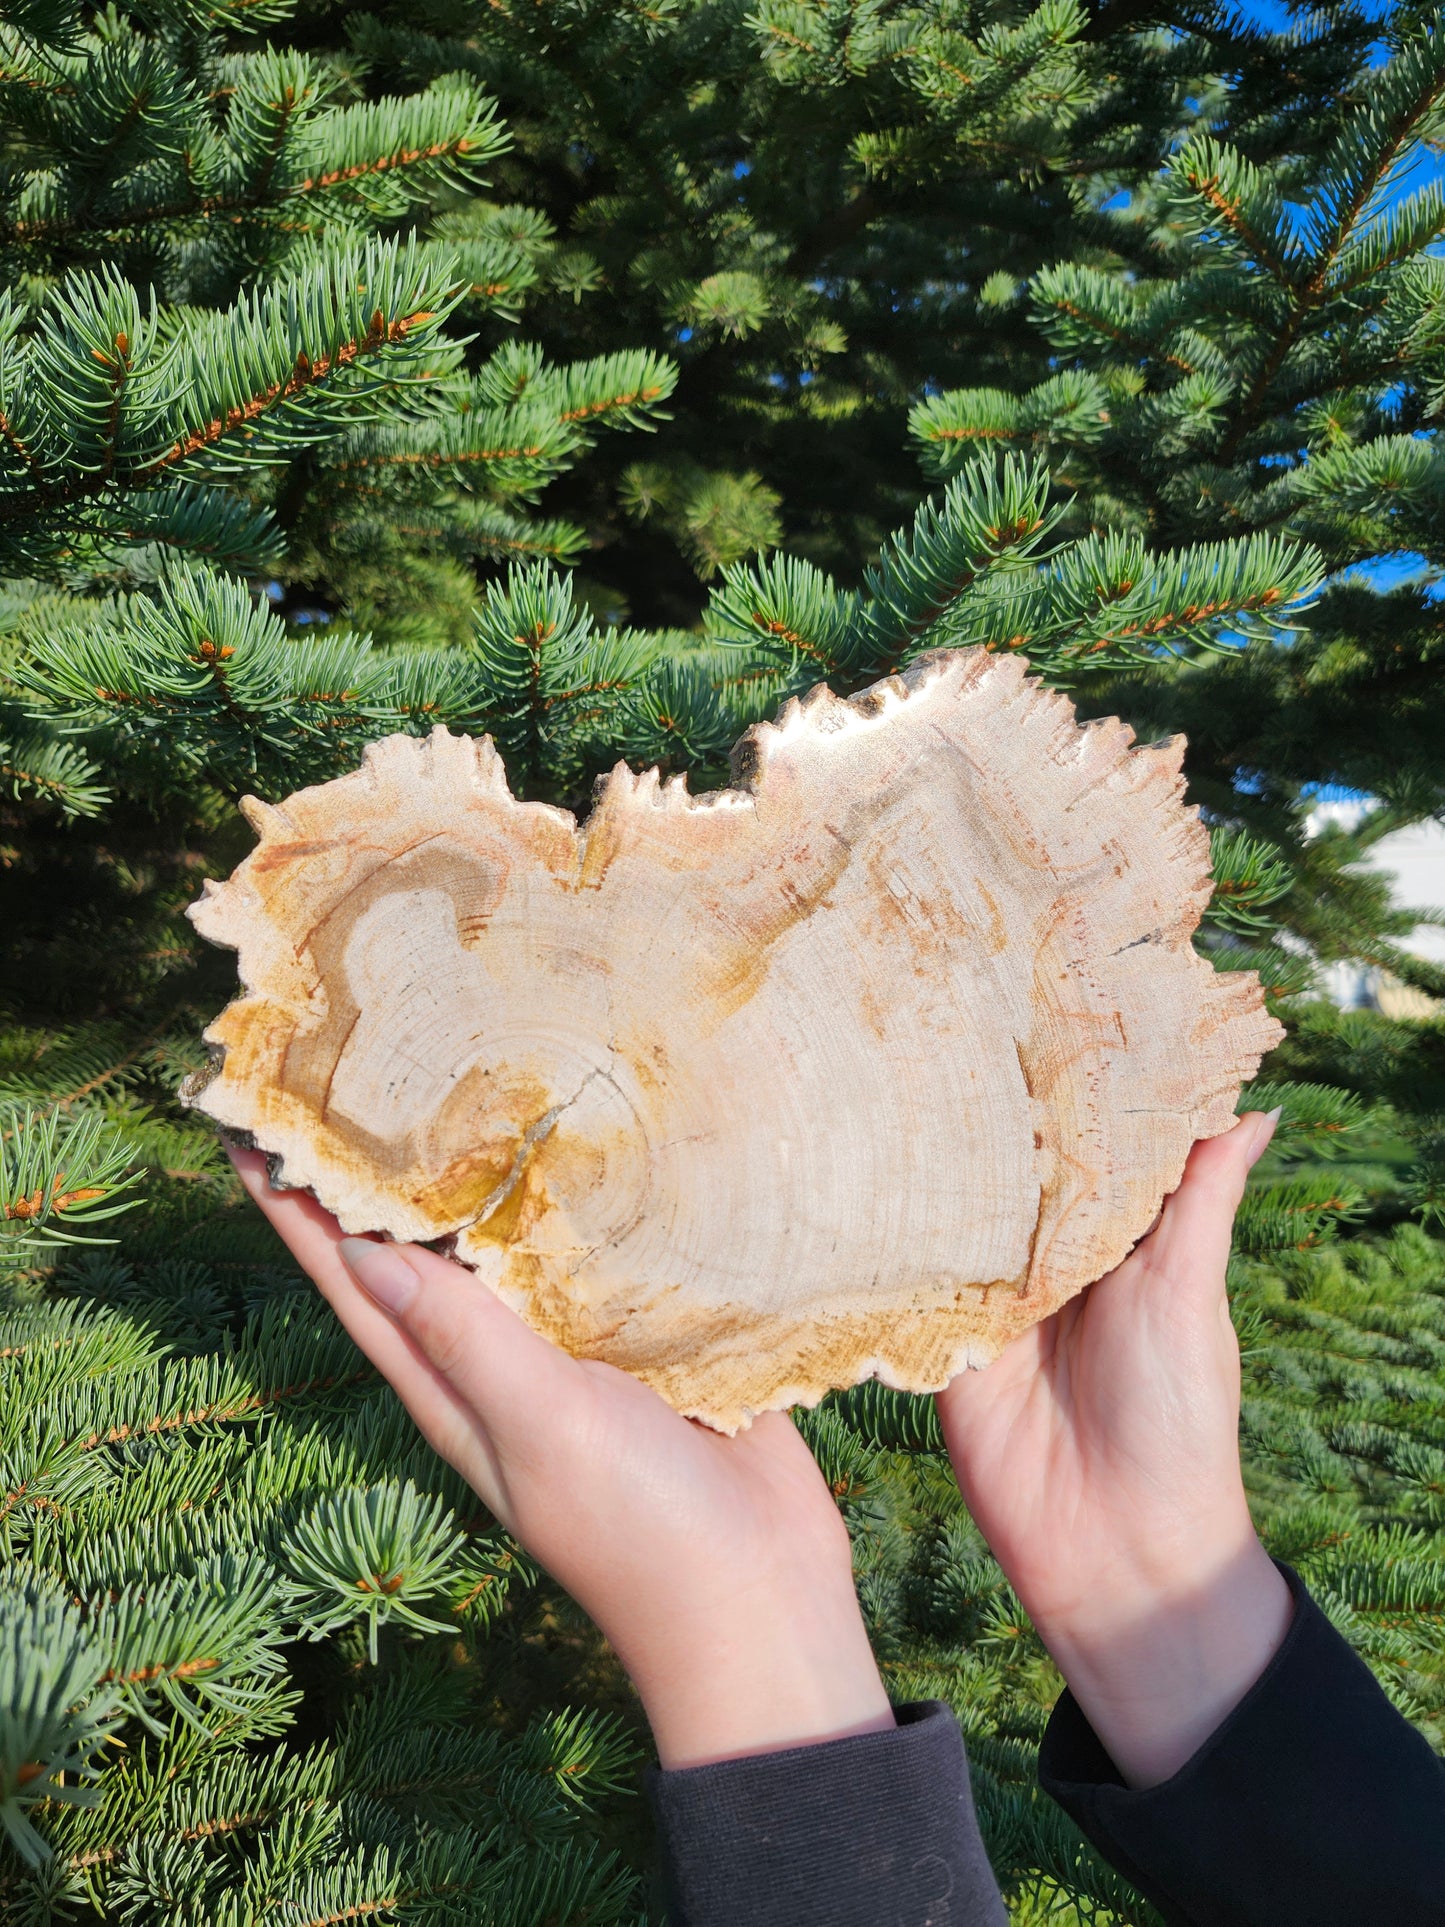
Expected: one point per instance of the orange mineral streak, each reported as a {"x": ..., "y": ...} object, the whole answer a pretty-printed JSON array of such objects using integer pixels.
[{"x": 859, "y": 1068}]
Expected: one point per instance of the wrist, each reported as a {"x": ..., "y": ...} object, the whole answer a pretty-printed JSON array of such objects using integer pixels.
[
  {"x": 766, "y": 1671},
  {"x": 1157, "y": 1667}
]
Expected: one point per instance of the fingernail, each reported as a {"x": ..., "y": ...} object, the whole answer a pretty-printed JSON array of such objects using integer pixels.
[
  {"x": 1263, "y": 1132},
  {"x": 382, "y": 1273}
]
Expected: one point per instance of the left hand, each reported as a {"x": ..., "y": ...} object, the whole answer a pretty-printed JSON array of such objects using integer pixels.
[
  {"x": 719, "y": 1568},
  {"x": 1099, "y": 1455}
]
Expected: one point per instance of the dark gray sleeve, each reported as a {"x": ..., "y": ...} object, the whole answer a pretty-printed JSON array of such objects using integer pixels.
[
  {"x": 877, "y": 1830},
  {"x": 1314, "y": 1804}
]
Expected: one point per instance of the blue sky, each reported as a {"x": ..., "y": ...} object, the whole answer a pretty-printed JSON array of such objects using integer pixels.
[{"x": 1423, "y": 167}]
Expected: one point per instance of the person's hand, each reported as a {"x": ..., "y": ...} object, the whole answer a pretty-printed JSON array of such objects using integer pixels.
[
  {"x": 719, "y": 1568},
  {"x": 1099, "y": 1455}
]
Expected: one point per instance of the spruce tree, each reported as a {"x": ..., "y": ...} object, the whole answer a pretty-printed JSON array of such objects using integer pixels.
[
  {"x": 827, "y": 211},
  {"x": 1254, "y": 342},
  {"x": 301, "y": 445}
]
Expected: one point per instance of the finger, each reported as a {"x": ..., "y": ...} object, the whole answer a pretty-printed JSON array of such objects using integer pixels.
[
  {"x": 510, "y": 1375},
  {"x": 442, "y": 1416},
  {"x": 480, "y": 1346},
  {"x": 1192, "y": 1237}
]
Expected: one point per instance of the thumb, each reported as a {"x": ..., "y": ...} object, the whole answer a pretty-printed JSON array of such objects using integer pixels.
[
  {"x": 1197, "y": 1222},
  {"x": 504, "y": 1371},
  {"x": 466, "y": 1367}
]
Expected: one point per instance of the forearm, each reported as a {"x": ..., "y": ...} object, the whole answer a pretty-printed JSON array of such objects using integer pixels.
[
  {"x": 1157, "y": 1668},
  {"x": 756, "y": 1672},
  {"x": 790, "y": 1795}
]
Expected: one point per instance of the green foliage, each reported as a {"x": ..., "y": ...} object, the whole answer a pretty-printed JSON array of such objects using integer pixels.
[
  {"x": 370, "y": 1555},
  {"x": 1296, "y": 1212},
  {"x": 57, "y": 1173},
  {"x": 214, "y": 340},
  {"x": 1314, "y": 1118},
  {"x": 815, "y": 204},
  {"x": 974, "y": 569},
  {"x": 192, "y": 682},
  {"x": 1343, "y": 1438},
  {"x": 314, "y": 330},
  {"x": 1249, "y": 876},
  {"x": 213, "y": 1480},
  {"x": 57, "y": 1710}
]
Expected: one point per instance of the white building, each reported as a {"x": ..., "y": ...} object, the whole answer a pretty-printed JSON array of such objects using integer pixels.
[{"x": 1416, "y": 859}]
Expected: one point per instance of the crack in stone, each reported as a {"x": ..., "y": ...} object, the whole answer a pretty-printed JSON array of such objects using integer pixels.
[
  {"x": 1149, "y": 936},
  {"x": 531, "y": 1138}
]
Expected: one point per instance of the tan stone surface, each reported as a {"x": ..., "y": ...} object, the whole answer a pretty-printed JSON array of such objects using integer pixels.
[{"x": 860, "y": 1067}]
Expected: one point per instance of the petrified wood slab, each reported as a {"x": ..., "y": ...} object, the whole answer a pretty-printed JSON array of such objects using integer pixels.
[{"x": 860, "y": 1067}]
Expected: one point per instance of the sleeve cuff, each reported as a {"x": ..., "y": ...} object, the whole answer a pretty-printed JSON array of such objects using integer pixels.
[
  {"x": 873, "y": 1827},
  {"x": 1313, "y": 1802}
]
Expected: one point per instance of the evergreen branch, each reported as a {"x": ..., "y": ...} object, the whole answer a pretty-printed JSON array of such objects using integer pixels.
[
  {"x": 488, "y": 453},
  {"x": 296, "y": 364},
  {"x": 1242, "y": 200},
  {"x": 1249, "y": 875},
  {"x": 398, "y": 151},
  {"x": 1414, "y": 105},
  {"x": 92, "y": 1064},
  {"x": 1314, "y": 1118},
  {"x": 625, "y": 403},
  {"x": 57, "y": 1174},
  {"x": 1280, "y": 973},
  {"x": 285, "y": 97},
  {"x": 13, "y": 370},
  {"x": 234, "y": 1406},
  {"x": 1071, "y": 407},
  {"x": 1296, "y": 1215},
  {"x": 1401, "y": 236},
  {"x": 1091, "y": 305},
  {"x": 1415, "y": 76},
  {"x": 307, "y": 374},
  {"x": 788, "y": 606},
  {"x": 191, "y": 519},
  {"x": 991, "y": 517},
  {"x": 370, "y": 1555},
  {"x": 54, "y": 1711},
  {"x": 1109, "y": 600},
  {"x": 34, "y": 765}
]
